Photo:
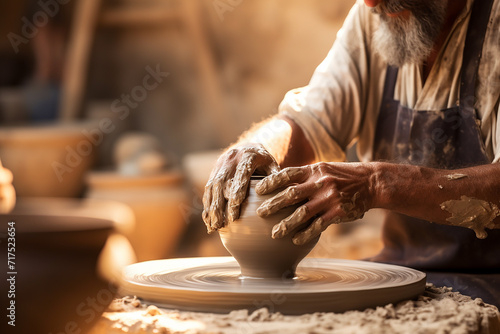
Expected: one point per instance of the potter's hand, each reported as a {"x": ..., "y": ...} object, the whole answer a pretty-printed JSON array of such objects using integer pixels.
[
  {"x": 7, "y": 193},
  {"x": 227, "y": 187},
  {"x": 331, "y": 192}
]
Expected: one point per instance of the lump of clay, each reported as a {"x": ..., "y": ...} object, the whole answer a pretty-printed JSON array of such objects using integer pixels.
[{"x": 139, "y": 153}]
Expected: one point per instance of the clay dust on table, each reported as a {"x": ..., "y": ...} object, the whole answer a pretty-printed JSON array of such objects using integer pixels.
[{"x": 437, "y": 310}]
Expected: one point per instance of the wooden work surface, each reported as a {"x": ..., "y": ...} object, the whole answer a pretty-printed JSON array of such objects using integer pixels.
[{"x": 437, "y": 310}]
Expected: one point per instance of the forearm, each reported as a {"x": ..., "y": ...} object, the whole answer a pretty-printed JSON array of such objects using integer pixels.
[
  {"x": 282, "y": 138},
  {"x": 467, "y": 197}
]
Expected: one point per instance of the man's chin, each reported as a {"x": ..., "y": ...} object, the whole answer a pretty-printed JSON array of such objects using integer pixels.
[
  {"x": 400, "y": 45},
  {"x": 405, "y": 37}
]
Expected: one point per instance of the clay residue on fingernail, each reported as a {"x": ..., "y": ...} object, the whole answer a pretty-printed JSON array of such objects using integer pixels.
[
  {"x": 278, "y": 231},
  {"x": 456, "y": 176},
  {"x": 302, "y": 238},
  {"x": 298, "y": 241},
  {"x": 472, "y": 213},
  {"x": 262, "y": 211},
  {"x": 219, "y": 224},
  {"x": 214, "y": 218},
  {"x": 234, "y": 212},
  {"x": 206, "y": 220},
  {"x": 318, "y": 184}
]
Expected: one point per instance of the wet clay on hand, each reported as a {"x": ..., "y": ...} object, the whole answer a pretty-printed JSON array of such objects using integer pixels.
[
  {"x": 249, "y": 240},
  {"x": 227, "y": 187}
]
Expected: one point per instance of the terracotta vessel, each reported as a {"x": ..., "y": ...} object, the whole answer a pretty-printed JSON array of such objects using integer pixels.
[
  {"x": 117, "y": 252},
  {"x": 249, "y": 241},
  {"x": 158, "y": 203},
  {"x": 48, "y": 160},
  {"x": 55, "y": 258}
]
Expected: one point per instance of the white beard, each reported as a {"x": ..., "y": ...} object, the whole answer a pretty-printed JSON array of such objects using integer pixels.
[{"x": 409, "y": 40}]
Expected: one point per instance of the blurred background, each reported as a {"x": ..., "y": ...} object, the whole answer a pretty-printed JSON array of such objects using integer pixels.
[
  {"x": 229, "y": 62},
  {"x": 124, "y": 105}
]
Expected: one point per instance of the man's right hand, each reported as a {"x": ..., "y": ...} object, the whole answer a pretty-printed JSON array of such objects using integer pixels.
[{"x": 227, "y": 187}]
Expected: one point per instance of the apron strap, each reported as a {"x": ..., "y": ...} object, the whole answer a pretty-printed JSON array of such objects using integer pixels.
[
  {"x": 473, "y": 49},
  {"x": 391, "y": 77}
]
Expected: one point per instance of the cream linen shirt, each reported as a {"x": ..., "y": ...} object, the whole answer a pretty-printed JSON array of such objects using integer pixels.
[{"x": 341, "y": 103}]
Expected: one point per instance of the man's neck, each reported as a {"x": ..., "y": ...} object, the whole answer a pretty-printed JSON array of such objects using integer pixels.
[{"x": 453, "y": 10}]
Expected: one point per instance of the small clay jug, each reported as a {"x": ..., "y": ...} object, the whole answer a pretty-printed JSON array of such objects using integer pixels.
[{"x": 249, "y": 240}]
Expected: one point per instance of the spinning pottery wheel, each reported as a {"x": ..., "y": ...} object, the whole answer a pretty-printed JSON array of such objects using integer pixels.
[
  {"x": 213, "y": 284},
  {"x": 264, "y": 273}
]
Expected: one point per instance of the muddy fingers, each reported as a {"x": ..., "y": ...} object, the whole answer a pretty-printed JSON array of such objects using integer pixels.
[
  {"x": 239, "y": 186},
  {"x": 300, "y": 216},
  {"x": 290, "y": 196},
  {"x": 313, "y": 231},
  {"x": 280, "y": 180},
  {"x": 229, "y": 180}
]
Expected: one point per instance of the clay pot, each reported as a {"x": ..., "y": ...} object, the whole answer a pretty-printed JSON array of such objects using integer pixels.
[
  {"x": 117, "y": 252},
  {"x": 159, "y": 203},
  {"x": 48, "y": 160},
  {"x": 54, "y": 282},
  {"x": 249, "y": 240}
]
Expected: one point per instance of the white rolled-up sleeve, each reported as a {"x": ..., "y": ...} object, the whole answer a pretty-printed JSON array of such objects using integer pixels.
[{"x": 330, "y": 108}]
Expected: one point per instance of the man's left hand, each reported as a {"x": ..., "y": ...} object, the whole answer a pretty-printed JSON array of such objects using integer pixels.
[{"x": 330, "y": 193}]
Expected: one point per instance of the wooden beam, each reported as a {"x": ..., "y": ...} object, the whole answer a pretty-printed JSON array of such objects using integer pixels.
[{"x": 77, "y": 58}]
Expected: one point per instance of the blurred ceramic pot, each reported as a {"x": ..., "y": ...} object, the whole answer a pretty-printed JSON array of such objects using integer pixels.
[
  {"x": 159, "y": 203},
  {"x": 249, "y": 240},
  {"x": 54, "y": 280},
  {"x": 117, "y": 253},
  {"x": 48, "y": 160}
]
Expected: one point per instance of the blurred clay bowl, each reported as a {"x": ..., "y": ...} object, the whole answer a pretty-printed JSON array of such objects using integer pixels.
[
  {"x": 48, "y": 160},
  {"x": 56, "y": 257},
  {"x": 159, "y": 203},
  {"x": 117, "y": 253}
]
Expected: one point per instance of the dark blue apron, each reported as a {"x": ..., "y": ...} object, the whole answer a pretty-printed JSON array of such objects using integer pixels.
[{"x": 446, "y": 139}]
